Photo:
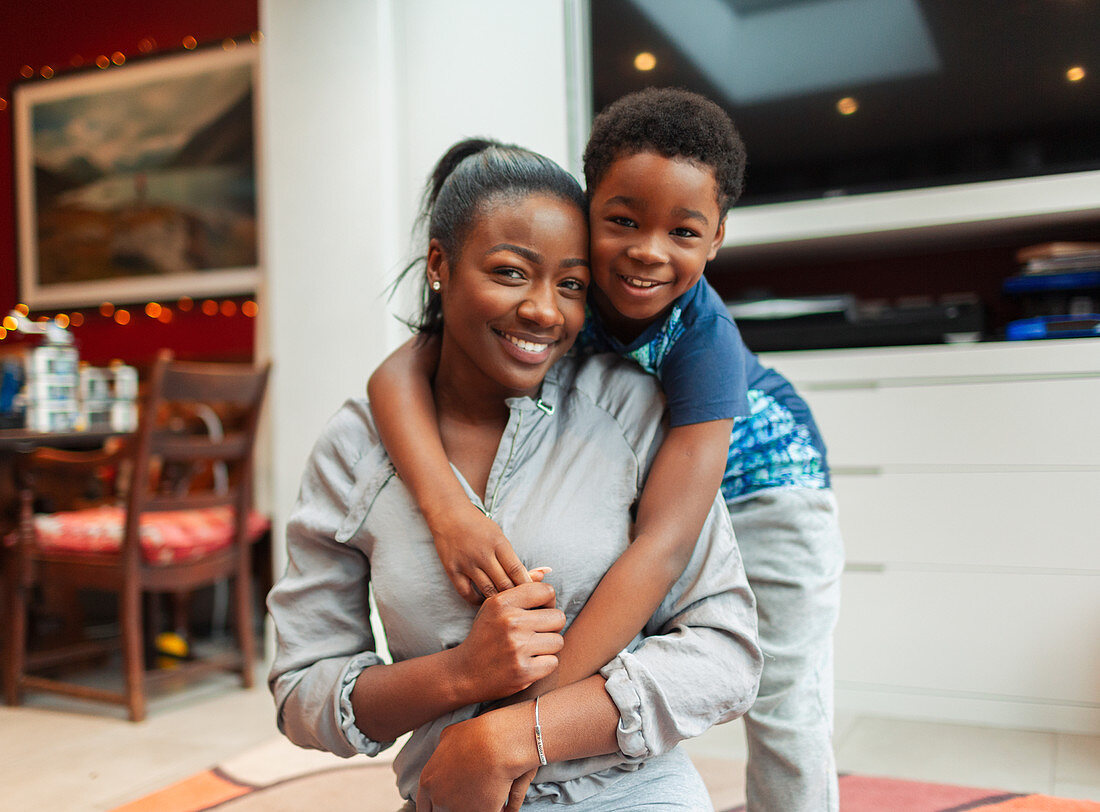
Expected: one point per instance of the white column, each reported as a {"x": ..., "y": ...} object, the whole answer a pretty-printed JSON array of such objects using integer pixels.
[{"x": 360, "y": 97}]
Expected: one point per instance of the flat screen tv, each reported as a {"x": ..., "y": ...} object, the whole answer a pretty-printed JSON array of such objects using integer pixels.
[{"x": 844, "y": 98}]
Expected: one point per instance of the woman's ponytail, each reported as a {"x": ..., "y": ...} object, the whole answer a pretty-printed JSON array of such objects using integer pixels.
[{"x": 447, "y": 164}]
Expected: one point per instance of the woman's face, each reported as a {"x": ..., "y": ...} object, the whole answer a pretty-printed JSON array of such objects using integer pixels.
[{"x": 513, "y": 299}]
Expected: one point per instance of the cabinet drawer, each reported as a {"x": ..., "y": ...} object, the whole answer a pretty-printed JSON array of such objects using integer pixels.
[
  {"x": 1047, "y": 422},
  {"x": 993, "y": 519},
  {"x": 1009, "y": 635}
]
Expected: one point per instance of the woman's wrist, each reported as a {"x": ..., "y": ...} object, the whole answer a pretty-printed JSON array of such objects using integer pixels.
[
  {"x": 510, "y": 737},
  {"x": 463, "y": 683}
]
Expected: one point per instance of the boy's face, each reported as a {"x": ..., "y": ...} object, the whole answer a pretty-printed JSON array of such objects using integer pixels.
[{"x": 655, "y": 224}]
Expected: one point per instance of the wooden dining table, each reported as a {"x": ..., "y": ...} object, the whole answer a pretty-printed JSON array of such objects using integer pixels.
[
  {"x": 16, "y": 441},
  {"x": 20, "y": 441}
]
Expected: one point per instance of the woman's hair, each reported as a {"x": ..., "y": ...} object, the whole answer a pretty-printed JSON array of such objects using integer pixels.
[
  {"x": 675, "y": 123},
  {"x": 472, "y": 175}
]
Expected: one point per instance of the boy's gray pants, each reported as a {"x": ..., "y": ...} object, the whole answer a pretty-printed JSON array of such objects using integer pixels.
[{"x": 791, "y": 547}]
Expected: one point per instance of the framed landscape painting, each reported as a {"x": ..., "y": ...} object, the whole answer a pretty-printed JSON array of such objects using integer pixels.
[{"x": 139, "y": 182}]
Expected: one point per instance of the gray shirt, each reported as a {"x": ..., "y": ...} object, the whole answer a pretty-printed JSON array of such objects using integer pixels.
[{"x": 567, "y": 470}]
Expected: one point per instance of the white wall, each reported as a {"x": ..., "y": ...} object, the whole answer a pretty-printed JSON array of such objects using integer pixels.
[{"x": 360, "y": 97}]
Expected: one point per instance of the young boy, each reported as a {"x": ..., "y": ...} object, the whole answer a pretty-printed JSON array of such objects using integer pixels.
[{"x": 662, "y": 167}]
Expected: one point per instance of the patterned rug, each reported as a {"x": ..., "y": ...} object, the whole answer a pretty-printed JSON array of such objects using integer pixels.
[{"x": 278, "y": 777}]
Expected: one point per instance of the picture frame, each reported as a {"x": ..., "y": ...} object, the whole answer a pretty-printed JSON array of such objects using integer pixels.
[{"x": 139, "y": 182}]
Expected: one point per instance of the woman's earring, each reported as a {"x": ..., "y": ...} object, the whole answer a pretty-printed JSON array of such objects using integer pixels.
[{"x": 436, "y": 286}]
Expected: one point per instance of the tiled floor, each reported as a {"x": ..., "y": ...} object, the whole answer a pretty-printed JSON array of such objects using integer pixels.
[
  {"x": 57, "y": 754},
  {"x": 994, "y": 758},
  {"x": 61, "y": 754}
]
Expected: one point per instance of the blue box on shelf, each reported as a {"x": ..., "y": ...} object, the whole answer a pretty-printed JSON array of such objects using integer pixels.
[{"x": 1083, "y": 326}]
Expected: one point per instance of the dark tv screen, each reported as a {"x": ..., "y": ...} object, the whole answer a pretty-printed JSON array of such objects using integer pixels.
[{"x": 837, "y": 97}]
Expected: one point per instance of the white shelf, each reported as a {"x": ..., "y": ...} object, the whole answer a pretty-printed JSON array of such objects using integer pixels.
[{"x": 973, "y": 208}]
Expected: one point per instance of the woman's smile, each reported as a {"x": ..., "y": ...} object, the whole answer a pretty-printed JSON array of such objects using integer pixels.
[{"x": 529, "y": 350}]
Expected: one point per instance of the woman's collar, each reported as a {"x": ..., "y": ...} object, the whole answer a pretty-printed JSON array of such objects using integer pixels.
[{"x": 548, "y": 396}]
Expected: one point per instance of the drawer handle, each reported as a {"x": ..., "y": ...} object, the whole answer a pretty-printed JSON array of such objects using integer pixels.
[
  {"x": 864, "y": 566},
  {"x": 856, "y": 470}
]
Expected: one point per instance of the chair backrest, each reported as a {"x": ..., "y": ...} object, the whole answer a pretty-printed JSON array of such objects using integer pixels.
[{"x": 195, "y": 441}]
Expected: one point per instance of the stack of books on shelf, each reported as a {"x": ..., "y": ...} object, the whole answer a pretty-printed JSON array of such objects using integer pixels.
[{"x": 1059, "y": 290}]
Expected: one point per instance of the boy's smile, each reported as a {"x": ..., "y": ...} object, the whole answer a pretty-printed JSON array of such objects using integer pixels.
[{"x": 655, "y": 224}]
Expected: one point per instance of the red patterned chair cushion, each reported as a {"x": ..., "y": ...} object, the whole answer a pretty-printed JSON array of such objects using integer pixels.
[{"x": 167, "y": 537}]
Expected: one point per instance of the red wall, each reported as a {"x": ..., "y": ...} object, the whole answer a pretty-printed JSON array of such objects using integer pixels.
[{"x": 53, "y": 33}]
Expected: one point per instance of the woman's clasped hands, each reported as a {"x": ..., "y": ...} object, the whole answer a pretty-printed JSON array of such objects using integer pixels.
[
  {"x": 514, "y": 641},
  {"x": 479, "y": 763}
]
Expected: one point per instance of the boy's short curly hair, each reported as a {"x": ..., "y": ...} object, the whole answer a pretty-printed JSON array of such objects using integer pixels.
[{"x": 675, "y": 123}]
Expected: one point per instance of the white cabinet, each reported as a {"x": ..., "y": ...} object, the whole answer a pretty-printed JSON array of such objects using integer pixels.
[{"x": 969, "y": 485}]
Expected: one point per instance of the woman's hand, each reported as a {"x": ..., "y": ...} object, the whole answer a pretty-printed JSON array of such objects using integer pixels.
[
  {"x": 477, "y": 763},
  {"x": 476, "y": 555},
  {"x": 518, "y": 791},
  {"x": 513, "y": 642}
]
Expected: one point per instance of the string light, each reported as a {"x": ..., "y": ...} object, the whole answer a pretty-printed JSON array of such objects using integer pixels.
[
  {"x": 1075, "y": 74},
  {"x": 3, "y": 104},
  {"x": 145, "y": 45},
  {"x": 847, "y": 106},
  {"x": 645, "y": 61},
  {"x": 122, "y": 317}
]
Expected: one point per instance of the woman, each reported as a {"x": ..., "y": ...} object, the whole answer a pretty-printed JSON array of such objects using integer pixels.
[{"x": 553, "y": 449}]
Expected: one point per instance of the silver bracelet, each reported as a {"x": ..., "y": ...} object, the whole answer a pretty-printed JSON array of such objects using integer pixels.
[{"x": 538, "y": 734}]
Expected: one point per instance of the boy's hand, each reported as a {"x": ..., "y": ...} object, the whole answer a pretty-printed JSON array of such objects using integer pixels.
[{"x": 476, "y": 555}]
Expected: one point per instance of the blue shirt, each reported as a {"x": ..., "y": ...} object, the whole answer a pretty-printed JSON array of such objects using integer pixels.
[{"x": 708, "y": 373}]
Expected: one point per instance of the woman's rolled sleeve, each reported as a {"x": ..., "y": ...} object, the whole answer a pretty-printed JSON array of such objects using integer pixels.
[
  {"x": 699, "y": 664},
  {"x": 320, "y": 606},
  {"x": 355, "y": 737}
]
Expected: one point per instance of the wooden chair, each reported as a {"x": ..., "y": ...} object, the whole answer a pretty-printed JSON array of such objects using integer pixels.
[{"x": 176, "y": 528}]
